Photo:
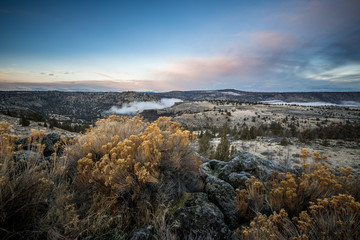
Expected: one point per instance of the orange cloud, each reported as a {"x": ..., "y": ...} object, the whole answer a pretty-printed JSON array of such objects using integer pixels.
[{"x": 200, "y": 73}]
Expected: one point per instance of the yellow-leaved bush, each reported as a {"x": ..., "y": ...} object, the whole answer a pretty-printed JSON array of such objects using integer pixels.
[
  {"x": 336, "y": 217},
  {"x": 28, "y": 186},
  {"x": 120, "y": 175},
  {"x": 134, "y": 154},
  {"x": 318, "y": 203},
  {"x": 127, "y": 173},
  {"x": 131, "y": 172}
]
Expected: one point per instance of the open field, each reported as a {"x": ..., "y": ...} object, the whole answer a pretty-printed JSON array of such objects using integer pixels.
[
  {"x": 203, "y": 115},
  {"x": 125, "y": 173}
]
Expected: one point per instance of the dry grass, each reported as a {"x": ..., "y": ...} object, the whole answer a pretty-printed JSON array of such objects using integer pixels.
[
  {"x": 337, "y": 217},
  {"x": 120, "y": 175},
  {"x": 139, "y": 167},
  {"x": 26, "y": 187},
  {"x": 319, "y": 203},
  {"x": 124, "y": 174}
]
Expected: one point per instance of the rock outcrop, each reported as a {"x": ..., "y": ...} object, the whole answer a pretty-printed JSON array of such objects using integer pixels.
[
  {"x": 241, "y": 167},
  {"x": 48, "y": 141},
  {"x": 222, "y": 194},
  {"x": 200, "y": 218},
  {"x": 211, "y": 214}
]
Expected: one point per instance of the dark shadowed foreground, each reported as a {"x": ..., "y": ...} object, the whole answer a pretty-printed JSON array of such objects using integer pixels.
[{"x": 127, "y": 179}]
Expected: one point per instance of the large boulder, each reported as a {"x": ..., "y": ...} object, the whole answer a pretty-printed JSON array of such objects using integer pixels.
[
  {"x": 199, "y": 218},
  {"x": 242, "y": 166},
  {"x": 223, "y": 195},
  {"x": 48, "y": 140}
]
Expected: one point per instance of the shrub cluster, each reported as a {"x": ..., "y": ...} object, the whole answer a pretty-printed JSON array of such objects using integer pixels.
[
  {"x": 28, "y": 187},
  {"x": 120, "y": 175},
  {"x": 318, "y": 203}
]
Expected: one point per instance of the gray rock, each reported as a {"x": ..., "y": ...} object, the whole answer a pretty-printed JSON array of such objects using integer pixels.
[
  {"x": 199, "y": 218},
  {"x": 243, "y": 165},
  {"x": 26, "y": 155},
  {"x": 144, "y": 233},
  {"x": 260, "y": 167},
  {"x": 49, "y": 140},
  {"x": 238, "y": 180},
  {"x": 212, "y": 167},
  {"x": 223, "y": 194},
  {"x": 200, "y": 198}
]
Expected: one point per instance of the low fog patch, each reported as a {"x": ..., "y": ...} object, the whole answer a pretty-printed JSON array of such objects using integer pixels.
[{"x": 131, "y": 108}]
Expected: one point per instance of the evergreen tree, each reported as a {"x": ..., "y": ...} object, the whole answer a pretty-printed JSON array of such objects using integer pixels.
[
  {"x": 284, "y": 142},
  {"x": 252, "y": 133},
  {"x": 204, "y": 144},
  {"x": 222, "y": 150},
  {"x": 244, "y": 133},
  {"x": 23, "y": 121},
  {"x": 233, "y": 150}
]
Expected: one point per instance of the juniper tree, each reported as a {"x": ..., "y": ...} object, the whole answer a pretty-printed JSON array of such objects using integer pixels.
[
  {"x": 205, "y": 148},
  {"x": 222, "y": 150}
]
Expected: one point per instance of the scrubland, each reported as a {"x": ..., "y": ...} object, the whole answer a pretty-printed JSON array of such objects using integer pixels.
[
  {"x": 331, "y": 130},
  {"x": 120, "y": 175},
  {"x": 124, "y": 174},
  {"x": 318, "y": 203}
]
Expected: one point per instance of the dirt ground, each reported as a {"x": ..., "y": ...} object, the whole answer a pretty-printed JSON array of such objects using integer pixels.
[{"x": 340, "y": 153}]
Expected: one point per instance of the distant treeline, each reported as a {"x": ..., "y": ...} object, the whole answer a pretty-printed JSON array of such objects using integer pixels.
[
  {"x": 72, "y": 127},
  {"x": 347, "y": 131}
]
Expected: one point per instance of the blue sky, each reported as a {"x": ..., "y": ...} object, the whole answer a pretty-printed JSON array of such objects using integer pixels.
[{"x": 297, "y": 45}]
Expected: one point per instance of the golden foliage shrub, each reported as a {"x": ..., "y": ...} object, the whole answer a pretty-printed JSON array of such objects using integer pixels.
[
  {"x": 256, "y": 193},
  {"x": 140, "y": 166},
  {"x": 135, "y": 154},
  {"x": 26, "y": 187},
  {"x": 315, "y": 204},
  {"x": 293, "y": 193},
  {"x": 120, "y": 175},
  {"x": 337, "y": 218}
]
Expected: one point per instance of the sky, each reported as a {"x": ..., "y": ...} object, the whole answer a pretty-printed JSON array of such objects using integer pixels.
[{"x": 260, "y": 45}]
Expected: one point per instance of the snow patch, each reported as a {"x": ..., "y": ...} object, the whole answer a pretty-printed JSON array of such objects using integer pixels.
[{"x": 231, "y": 93}]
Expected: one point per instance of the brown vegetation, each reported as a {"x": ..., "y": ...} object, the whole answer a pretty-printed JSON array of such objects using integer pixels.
[
  {"x": 120, "y": 175},
  {"x": 318, "y": 203},
  {"x": 124, "y": 174}
]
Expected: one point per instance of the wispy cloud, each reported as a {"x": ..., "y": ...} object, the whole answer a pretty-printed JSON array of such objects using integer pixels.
[
  {"x": 210, "y": 72},
  {"x": 322, "y": 17},
  {"x": 304, "y": 45},
  {"x": 273, "y": 41},
  {"x": 104, "y": 75}
]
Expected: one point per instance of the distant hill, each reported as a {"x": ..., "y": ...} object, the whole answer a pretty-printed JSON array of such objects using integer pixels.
[
  {"x": 80, "y": 105},
  {"x": 92, "y": 105},
  {"x": 236, "y": 95}
]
